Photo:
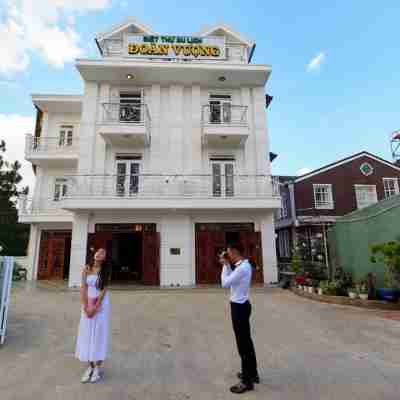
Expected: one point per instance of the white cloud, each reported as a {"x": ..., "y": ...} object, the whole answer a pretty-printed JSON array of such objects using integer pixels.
[
  {"x": 303, "y": 171},
  {"x": 45, "y": 27},
  {"x": 315, "y": 63},
  {"x": 13, "y": 128}
]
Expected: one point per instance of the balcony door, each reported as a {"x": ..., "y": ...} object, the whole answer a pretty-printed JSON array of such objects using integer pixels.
[
  {"x": 128, "y": 176},
  {"x": 220, "y": 108},
  {"x": 130, "y": 107},
  {"x": 223, "y": 178}
]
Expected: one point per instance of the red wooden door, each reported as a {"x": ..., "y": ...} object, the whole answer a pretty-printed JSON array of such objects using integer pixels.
[
  {"x": 251, "y": 242},
  {"x": 43, "y": 262},
  {"x": 151, "y": 258},
  {"x": 57, "y": 257},
  {"x": 208, "y": 245}
]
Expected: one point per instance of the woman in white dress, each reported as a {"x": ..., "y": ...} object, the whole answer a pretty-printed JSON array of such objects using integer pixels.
[{"x": 92, "y": 344}]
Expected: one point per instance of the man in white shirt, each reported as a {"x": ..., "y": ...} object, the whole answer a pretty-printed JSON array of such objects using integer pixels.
[{"x": 239, "y": 281}]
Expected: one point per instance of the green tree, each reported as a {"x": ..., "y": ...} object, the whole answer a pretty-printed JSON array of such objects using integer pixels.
[{"x": 13, "y": 236}]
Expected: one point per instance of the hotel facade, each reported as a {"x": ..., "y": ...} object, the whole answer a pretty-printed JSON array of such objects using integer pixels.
[{"x": 163, "y": 160}]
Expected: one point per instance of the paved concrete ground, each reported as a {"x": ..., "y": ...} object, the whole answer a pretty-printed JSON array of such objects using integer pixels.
[{"x": 178, "y": 345}]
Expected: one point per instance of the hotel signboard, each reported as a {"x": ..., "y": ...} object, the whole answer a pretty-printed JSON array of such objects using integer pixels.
[{"x": 177, "y": 47}]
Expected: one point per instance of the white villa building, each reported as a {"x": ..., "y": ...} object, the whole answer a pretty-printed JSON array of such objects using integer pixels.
[{"x": 163, "y": 160}]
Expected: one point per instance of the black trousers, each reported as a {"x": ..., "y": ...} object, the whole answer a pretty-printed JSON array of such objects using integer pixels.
[{"x": 241, "y": 326}]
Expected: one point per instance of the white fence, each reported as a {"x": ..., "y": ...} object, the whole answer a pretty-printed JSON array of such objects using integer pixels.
[{"x": 6, "y": 272}]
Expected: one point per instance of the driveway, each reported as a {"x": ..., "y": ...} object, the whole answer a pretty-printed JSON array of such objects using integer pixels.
[{"x": 178, "y": 345}]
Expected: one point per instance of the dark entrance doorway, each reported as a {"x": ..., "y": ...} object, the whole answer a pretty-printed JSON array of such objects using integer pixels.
[
  {"x": 212, "y": 238},
  {"x": 127, "y": 257},
  {"x": 133, "y": 251}
]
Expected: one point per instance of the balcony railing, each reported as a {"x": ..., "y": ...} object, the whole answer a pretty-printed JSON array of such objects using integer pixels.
[
  {"x": 225, "y": 114},
  {"x": 126, "y": 113},
  {"x": 28, "y": 206},
  {"x": 50, "y": 145},
  {"x": 172, "y": 186}
]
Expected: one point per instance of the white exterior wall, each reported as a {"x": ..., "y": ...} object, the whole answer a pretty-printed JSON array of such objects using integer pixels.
[{"x": 176, "y": 148}]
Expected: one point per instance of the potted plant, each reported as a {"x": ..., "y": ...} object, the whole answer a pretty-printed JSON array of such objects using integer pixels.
[
  {"x": 389, "y": 254},
  {"x": 321, "y": 287},
  {"x": 363, "y": 291},
  {"x": 353, "y": 293}
]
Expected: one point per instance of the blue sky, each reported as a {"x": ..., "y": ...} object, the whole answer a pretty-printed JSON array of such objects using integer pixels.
[{"x": 345, "y": 101}]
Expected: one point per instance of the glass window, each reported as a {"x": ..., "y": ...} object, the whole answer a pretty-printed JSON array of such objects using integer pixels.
[
  {"x": 220, "y": 106},
  {"x": 60, "y": 189},
  {"x": 323, "y": 197},
  {"x": 365, "y": 195},
  {"x": 66, "y": 135},
  {"x": 391, "y": 187}
]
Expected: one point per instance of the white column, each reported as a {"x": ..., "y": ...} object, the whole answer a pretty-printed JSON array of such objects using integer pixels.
[
  {"x": 176, "y": 232},
  {"x": 156, "y": 150},
  {"x": 100, "y": 144},
  {"x": 33, "y": 246},
  {"x": 260, "y": 131},
  {"x": 88, "y": 128},
  {"x": 175, "y": 149},
  {"x": 196, "y": 133},
  {"x": 269, "y": 248},
  {"x": 78, "y": 248}
]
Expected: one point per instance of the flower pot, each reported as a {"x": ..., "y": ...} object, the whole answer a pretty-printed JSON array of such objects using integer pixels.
[
  {"x": 310, "y": 289},
  {"x": 387, "y": 294},
  {"x": 364, "y": 296},
  {"x": 300, "y": 287},
  {"x": 353, "y": 295},
  {"x": 320, "y": 291}
]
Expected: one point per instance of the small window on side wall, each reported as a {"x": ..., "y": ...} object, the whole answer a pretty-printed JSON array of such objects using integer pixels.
[
  {"x": 391, "y": 187},
  {"x": 323, "y": 197},
  {"x": 66, "y": 134},
  {"x": 60, "y": 189}
]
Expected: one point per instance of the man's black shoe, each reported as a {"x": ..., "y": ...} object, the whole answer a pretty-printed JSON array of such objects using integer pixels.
[
  {"x": 242, "y": 388},
  {"x": 255, "y": 379}
]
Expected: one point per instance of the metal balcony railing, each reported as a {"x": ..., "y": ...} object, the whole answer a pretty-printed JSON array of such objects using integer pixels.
[
  {"x": 50, "y": 145},
  {"x": 172, "y": 186},
  {"x": 225, "y": 114}
]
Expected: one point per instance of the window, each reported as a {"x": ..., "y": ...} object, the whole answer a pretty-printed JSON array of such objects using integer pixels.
[
  {"x": 365, "y": 195},
  {"x": 323, "y": 198},
  {"x": 60, "y": 189},
  {"x": 222, "y": 177},
  {"x": 128, "y": 174},
  {"x": 391, "y": 187},
  {"x": 130, "y": 107},
  {"x": 283, "y": 211},
  {"x": 220, "y": 106},
  {"x": 65, "y": 136},
  {"x": 284, "y": 243}
]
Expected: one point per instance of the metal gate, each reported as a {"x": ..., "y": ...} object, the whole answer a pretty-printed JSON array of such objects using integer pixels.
[{"x": 6, "y": 271}]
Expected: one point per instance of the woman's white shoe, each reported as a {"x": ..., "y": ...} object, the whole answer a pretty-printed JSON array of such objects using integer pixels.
[
  {"x": 96, "y": 376},
  {"x": 87, "y": 375}
]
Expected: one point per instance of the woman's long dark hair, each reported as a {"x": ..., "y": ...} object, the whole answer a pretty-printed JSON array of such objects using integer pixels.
[{"x": 104, "y": 273}]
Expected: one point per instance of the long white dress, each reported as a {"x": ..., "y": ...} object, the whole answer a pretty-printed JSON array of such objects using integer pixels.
[{"x": 93, "y": 339}]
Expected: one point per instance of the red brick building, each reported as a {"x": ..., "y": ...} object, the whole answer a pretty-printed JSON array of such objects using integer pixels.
[{"x": 312, "y": 202}]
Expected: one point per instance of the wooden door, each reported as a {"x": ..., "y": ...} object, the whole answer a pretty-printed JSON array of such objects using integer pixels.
[
  {"x": 52, "y": 254},
  {"x": 43, "y": 262},
  {"x": 251, "y": 242},
  {"x": 57, "y": 257},
  {"x": 208, "y": 245},
  {"x": 151, "y": 258}
]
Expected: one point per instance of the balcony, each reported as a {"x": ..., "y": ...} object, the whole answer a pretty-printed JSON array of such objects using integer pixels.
[
  {"x": 51, "y": 151},
  {"x": 225, "y": 125},
  {"x": 125, "y": 124},
  {"x": 146, "y": 191},
  {"x": 41, "y": 210}
]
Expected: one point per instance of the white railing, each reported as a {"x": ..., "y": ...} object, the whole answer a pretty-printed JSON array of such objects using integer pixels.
[
  {"x": 50, "y": 145},
  {"x": 28, "y": 206},
  {"x": 225, "y": 114},
  {"x": 172, "y": 186},
  {"x": 127, "y": 114}
]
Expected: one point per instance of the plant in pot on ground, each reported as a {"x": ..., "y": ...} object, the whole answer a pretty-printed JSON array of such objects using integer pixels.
[
  {"x": 363, "y": 290},
  {"x": 389, "y": 254}
]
